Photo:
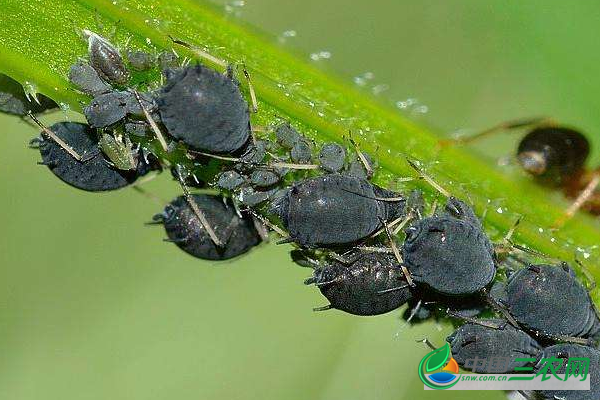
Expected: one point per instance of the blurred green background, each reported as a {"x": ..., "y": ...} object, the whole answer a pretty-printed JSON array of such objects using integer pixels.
[{"x": 94, "y": 306}]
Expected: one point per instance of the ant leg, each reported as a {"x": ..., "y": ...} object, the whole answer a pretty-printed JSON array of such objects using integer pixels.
[
  {"x": 586, "y": 194},
  {"x": 503, "y": 126}
]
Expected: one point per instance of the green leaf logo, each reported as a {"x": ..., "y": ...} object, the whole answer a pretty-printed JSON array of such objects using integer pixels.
[{"x": 437, "y": 358}]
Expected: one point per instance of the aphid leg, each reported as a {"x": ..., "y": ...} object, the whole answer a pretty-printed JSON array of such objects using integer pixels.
[
  {"x": 398, "y": 256},
  {"x": 203, "y": 221},
  {"x": 268, "y": 223},
  {"x": 427, "y": 178},
  {"x": 216, "y": 157},
  {"x": 178, "y": 240},
  {"x": 293, "y": 166},
  {"x": 500, "y": 308},
  {"x": 392, "y": 289},
  {"x": 426, "y": 342},
  {"x": 374, "y": 249},
  {"x": 250, "y": 89},
  {"x": 503, "y": 126},
  {"x": 153, "y": 125},
  {"x": 323, "y": 308},
  {"x": 199, "y": 52},
  {"x": 505, "y": 246},
  {"x": 47, "y": 132},
  {"x": 261, "y": 229},
  {"x": 472, "y": 320},
  {"x": 573, "y": 339},
  {"x": 362, "y": 159},
  {"x": 581, "y": 199}
]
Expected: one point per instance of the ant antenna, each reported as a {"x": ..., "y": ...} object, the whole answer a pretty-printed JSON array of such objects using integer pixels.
[{"x": 47, "y": 132}]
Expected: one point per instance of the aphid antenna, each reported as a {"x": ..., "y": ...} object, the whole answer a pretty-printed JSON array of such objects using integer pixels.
[
  {"x": 533, "y": 252},
  {"x": 320, "y": 284},
  {"x": 394, "y": 289},
  {"x": 323, "y": 308},
  {"x": 203, "y": 221},
  {"x": 434, "y": 207},
  {"x": 506, "y": 243},
  {"x": 199, "y": 52},
  {"x": 509, "y": 126},
  {"x": 178, "y": 240},
  {"x": 397, "y": 255},
  {"x": 266, "y": 222},
  {"x": 361, "y": 156},
  {"x": 338, "y": 257},
  {"x": 573, "y": 339},
  {"x": 427, "y": 342},
  {"x": 294, "y": 166},
  {"x": 47, "y": 132},
  {"x": 250, "y": 89},
  {"x": 427, "y": 178},
  {"x": 390, "y": 199},
  {"x": 153, "y": 125},
  {"x": 581, "y": 199}
]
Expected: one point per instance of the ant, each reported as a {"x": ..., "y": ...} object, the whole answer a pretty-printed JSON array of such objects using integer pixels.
[{"x": 555, "y": 155}]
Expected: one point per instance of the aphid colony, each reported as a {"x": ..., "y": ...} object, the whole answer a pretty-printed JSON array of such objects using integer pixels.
[{"x": 343, "y": 226}]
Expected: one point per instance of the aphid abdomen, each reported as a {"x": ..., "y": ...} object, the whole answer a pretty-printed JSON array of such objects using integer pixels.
[
  {"x": 105, "y": 59},
  {"x": 472, "y": 341},
  {"x": 532, "y": 292},
  {"x": 553, "y": 153},
  {"x": 365, "y": 286},
  {"x": 449, "y": 255},
  {"x": 94, "y": 174},
  {"x": 332, "y": 210},
  {"x": 185, "y": 230},
  {"x": 205, "y": 109}
]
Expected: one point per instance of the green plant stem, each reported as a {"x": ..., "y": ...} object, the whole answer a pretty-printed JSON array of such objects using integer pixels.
[{"x": 39, "y": 41}]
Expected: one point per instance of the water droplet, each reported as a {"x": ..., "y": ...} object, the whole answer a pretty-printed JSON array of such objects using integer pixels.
[
  {"x": 321, "y": 55},
  {"x": 378, "y": 89},
  {"x": 285, "y": 35},
  {"x": 499, "y": 210}
]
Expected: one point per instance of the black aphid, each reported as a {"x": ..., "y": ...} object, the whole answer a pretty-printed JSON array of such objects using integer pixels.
[
  {"x": 106, "y": 60},
  {"x": 450, "y": 253},
  {"x": 563, "y": 352},
  {"x": 87, "y": 79},
  {"x": 264, "y": 177},
  {"x": 472, "y": 342},
  {"x": 13, "y": 99},
  {"x": 185, "y": 230},
  {"x": 109, "y": 108},
  {"x": 335, "y": 210},
  {"x": 140, "y": 60},
  {"x": 230, "y": 180},
  {"x": 93, "y": 173},
  {"x": 369, "y": 284},
  {"x": 287, "y": 136},
  {"x": 332, "y": 157},
  {"x": 550, "y": 302},
  {"x": 168, "y": 59},
  {"x": 301, "y": 153},
  {"x": 220, "y": 122}
]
